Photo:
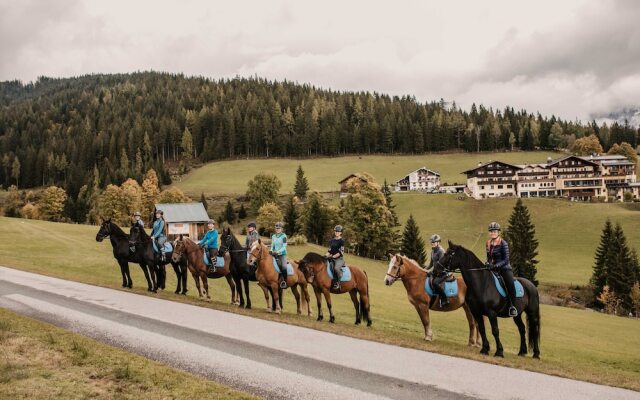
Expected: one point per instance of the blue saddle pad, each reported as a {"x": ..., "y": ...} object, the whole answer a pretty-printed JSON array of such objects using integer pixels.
[
  {"x": 516, "y": 283},
  {"x": 167, "y": 248},
  {"x": 450, "y": 288},
  {"x": 289, "y": 267},
  {"x": 207, "y": 260},
  {"x": 346, "y": 273}
]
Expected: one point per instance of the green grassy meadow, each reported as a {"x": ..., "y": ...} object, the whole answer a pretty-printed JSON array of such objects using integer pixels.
[
  {"x": 231, "y": 177},
  {"x": 575, "y": 343},
  {"x": 40, "y": 361}
]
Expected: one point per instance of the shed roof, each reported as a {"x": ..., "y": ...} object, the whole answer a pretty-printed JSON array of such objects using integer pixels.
[{"x": 183, "y": 212}]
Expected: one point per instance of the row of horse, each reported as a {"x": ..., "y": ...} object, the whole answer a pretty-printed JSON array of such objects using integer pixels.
[{"x": 477, "y": 295}]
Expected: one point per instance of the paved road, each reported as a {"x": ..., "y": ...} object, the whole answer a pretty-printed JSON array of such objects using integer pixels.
[{"x": 270, "y": 359}]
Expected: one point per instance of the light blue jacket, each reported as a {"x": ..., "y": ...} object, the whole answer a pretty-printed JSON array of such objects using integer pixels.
[
  {"x": 158, "y": 228},
  {"x": 279, "y": 244},
  {"x": 210, "y": 240}
]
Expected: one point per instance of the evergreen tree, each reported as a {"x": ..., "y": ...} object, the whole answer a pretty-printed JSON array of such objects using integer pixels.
[
  {"x": 187, "y": 147},
  {"x": 203, "y": 200},
  {"x": 242, "y": 213},
  {"x": 522, "y": 243},
  {"x": 229, "y": 213},
  {"x": 387, "y": 195},
  {"x": 315, "y": 219},
  {"x": 599, "y": 275},
  {"x": 620, "y": 272},
  {"x": 412, "y": 244},
  {"x": 302, "y": 185},
  {"x": 291, "y": 217}
]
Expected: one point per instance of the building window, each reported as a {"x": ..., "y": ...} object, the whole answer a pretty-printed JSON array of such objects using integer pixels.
[
  {"x": 482, "y": 187},
  {"x": 509, "y": 186},
  {"x": 499, "y": 186}
]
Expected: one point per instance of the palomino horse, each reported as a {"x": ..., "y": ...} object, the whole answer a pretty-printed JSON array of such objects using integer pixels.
[
  {"x": 198, "y": 269},
  {"x": 121, "y": 252},
  {"x": 413, "y": 278},
  {"x": 314, "y": 267},
  {"x": 268, "y": 279},
  {"x": 484, "y": 299}
]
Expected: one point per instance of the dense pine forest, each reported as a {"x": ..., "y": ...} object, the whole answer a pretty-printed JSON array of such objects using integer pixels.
[{"x": 102, "y": 129}]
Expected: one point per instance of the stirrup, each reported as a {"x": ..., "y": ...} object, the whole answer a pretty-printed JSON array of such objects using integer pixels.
[
  {"x": 283, "y": 283},
  {"x": 335, "y": 285},
  {"x": 513, "y": 312},
  {"x": 444, "y": 302}
]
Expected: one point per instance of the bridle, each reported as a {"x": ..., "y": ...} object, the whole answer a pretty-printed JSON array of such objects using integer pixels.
[
  {"x": 107, "y": 228},
  {"x": 260, "y": 251},
  {"x": 397, "y": 275},
  {"x": 446, "y": 268},
  {"x": 227, "y": 245}
]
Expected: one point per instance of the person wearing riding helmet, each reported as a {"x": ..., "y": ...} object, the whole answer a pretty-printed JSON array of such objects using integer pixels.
[
  {"x": 498, "y": 259},
  {"x": 335, "y": 256},
  {"x": 137, "y": 220},
  {"x": 157, "y": 232},
  {"x": 279, "y": 252},
  {"x": 209, "y": 243},
  {"x": 439, "y": 277},
  {"x": 252, "y": 236}
]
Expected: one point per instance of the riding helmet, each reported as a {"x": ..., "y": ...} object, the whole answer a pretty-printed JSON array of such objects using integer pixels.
[
  {"x": 494, "y": 226},
  {"x": 160, "y": 212},
  {"x": 435, "y": 238},
  {"x": 212, "y": 222},
  {"x": 251, "y": 225},
  {"x": 338, "y": 228},
  {"x": 279, "y": 225},
  {"x": 137, "y": 214}
]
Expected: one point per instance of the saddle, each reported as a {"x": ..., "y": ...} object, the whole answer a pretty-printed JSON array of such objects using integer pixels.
[
  {"x": 450, "y": 287},
  {"x": 219, "y": 261},
  {"x": 167, "y": 248},
  {"x": 499, "y": 282},
  {"x": 276, "y": 266},
  {"x": 346, "y": 273}
]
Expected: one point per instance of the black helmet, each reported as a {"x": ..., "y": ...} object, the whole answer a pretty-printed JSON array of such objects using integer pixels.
[
  {"x": 160, "y": 212},
  {"x": 251, "y": 225},
  {"x": 494, "y": 226},
  {"x": 435, "y": 238},
  {"x": 279, "y": 225},
  {"x": 212, "y": 222},
  {"x": 338, "y": 228}
]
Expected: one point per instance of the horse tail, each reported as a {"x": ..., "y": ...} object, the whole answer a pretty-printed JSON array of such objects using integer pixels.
[
  {"x": 363, "y": 307},
  {"x": 534, "y": 324}
]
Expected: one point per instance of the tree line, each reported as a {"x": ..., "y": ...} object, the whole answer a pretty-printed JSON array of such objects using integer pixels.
[{"x": 56, "y": 131}]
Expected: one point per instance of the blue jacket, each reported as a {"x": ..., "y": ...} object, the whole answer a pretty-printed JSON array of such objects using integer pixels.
[
  {"x": 279, "y": 244},
  {"x": 210, "y": 240},
  {"x": 158, "y": 228},
  {"x": 498, "y": 254}
]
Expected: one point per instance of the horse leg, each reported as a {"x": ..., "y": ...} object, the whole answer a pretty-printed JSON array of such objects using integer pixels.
[
  {"x": 205, "y": 284},
  {"x": 423, "y": 313},
  {"x": 236, "y": 281},
  {"x": 354, "y": 299},
  {"x": 183, "y": 277},
  {"x": 232, "y": 286},
  {"x": 493, "y": 320},
  {"x": 127, "y": 272},
  {"x": 523, "y": 343},
  {"x": 196, "y": 278},
  {"x": 296, "y": 294},
  {"x": 306, "y": 299},
  {"x": 147, "y": 274},
  {"x": 327, "y": 297},
  {"x": 365, "y": 306},
  {"x": 319, "y": 302},
  {"x": 277, "y": 298},
  {"x": 266, "y": 296},
  {"x": 245, "y": 283},
  {"x": 176, "y": 269},
  {"x": 123, "y": 272},
  {"x": 280, "y": 297},
  {"x": 474, "y": 340},
  {"x": 483, "y": 334}
]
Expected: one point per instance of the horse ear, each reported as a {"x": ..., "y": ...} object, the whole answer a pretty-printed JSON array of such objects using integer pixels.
[
  {"x": 180, "y": 236},
  {"x": 452, "y": 245},
  {"x": 259, "y": 241},
  {"x": 401, "y": 260},
  {"x": 391, "y": 256}
]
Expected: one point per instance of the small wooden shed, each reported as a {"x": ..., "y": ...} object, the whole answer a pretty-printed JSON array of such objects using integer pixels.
[{"x": 189, "y": 219}]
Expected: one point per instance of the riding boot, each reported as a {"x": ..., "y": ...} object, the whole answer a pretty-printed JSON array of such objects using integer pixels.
[
  {"x": 507, "y": 275},
  {"x": 283, "y": 279},
  {"x": 444, "y": 300},
  {"x": 162, "y": 256},
  {"x": 213, "y": 253}
]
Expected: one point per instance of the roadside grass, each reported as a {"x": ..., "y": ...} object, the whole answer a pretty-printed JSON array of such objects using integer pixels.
[
  {"x": 40, "y": 361},
  {"x": 323, "y": 174},
  {"x": 576, "y": 344},
  {"x": 568, "y": 232}
]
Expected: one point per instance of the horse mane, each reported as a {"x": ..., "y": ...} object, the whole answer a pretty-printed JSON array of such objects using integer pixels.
[
  {"x": 470, "y": 255},
  {"x": 143, "y": 234},
  {"x": 312, "y": 257},
  {"x": 235, "y": 243},
  {"x": 115, "y": 229},
  {"x": 411, "y": 260}
]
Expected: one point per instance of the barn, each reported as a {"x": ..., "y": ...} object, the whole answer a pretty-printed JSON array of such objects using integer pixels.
[{"x": 188, "y": 219}]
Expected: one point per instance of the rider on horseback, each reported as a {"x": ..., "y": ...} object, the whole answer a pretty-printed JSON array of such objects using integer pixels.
[
  {"x": 209, "y": 243},
  {"x": 498, "y": 259},
  {"x": 440, "y": 276},
  {"x": 335, "y": 256},
  {"x": 279, "y": 252},
  {"x": 157, "y": 233},
  {"x": 252, "y": 236},
  {"x": 137, "y": 219}
]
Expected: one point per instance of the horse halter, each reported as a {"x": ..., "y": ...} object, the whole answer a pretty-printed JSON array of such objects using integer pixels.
[
  {"x": 107, "y": 229},
  {"x": 397, "y": 275},
  {"x": 259, "y": 256}
]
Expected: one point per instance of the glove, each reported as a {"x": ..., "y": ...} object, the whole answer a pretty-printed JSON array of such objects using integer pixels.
[
  {"x": 272, "y": 253},
  {"x": 488, "y": 265}
]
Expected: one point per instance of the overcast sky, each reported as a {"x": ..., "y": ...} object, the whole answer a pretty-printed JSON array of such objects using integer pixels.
[{"x": 571, "y": 58}]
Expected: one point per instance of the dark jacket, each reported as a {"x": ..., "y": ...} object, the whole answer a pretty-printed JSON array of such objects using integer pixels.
[
  {"x": 436, "y": 255},
  {"x": 498, "y": 254},
  {"x": 336, "y": 246}
]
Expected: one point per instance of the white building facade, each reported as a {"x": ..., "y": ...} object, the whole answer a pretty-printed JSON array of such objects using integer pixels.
[{"x": 422, "y": 179}]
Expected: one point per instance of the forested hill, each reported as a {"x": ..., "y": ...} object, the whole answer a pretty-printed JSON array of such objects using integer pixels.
[{"x": 59, "y": 131}]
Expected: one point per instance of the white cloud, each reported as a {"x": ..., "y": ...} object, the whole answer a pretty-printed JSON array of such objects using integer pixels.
[{"x": 570, "y": 58}]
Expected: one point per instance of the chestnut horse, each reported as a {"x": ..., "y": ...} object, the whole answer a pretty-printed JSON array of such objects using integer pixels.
[
  {"x": 198, "y": 269},
  {"x": 413, "y": 277},
  {"x": 314, "y": 267},
  {"x": 268, "y": 279}
]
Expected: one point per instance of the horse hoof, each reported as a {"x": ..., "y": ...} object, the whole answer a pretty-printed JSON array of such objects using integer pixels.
[
  {"x": 177, "y": 292},
  {"x": 357, "y": 322},
  {"x": 499, "y": 354},
  {"x": 320, "y": 318},
  {"x": 269, "y": 310},
  {"x": 428, "y": 338},
  {"x": 484, "y": 352},
  {"x": 184, "y": 292},
  {"x": 369, "y": 323},
  {"x": 536, "y": 356},
  {"x": 332, "y": 319},
  {"x": 248, "y": 307},
  {"x": 278, "y": 311}
]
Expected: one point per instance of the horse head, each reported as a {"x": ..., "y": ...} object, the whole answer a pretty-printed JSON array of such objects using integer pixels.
[
  {"x": 178, "y": 249},
  {"x": 452, "y": 259},
  {"x": 104, "y": 231},
  {"x": 226, "y": 240},
  {"x": 255, "y": 252},
  {"x": 394, "y": 271}
]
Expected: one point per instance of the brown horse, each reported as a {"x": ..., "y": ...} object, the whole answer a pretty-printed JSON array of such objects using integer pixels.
[
  {"x": 268, "y": 279},
  {"x": 413, "y": 277},
  {"x": 198, "y": 268},
  {"x": 314, "y": 267}
]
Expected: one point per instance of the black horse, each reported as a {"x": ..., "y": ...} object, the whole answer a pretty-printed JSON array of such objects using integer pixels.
[
  {"x": 239, "y": 268},
  {"x": 144, "y": 245},
  {"x": 123, "y": 254},
  {"x": 483, "y": 299}
]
